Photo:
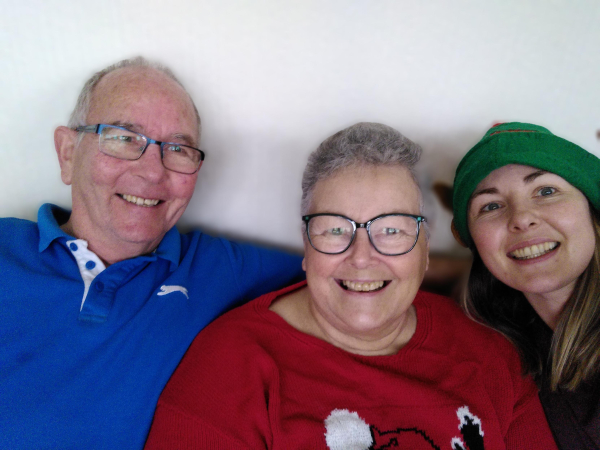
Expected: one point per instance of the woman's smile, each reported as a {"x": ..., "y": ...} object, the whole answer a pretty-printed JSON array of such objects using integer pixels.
[
  {"x": 363, "y": 286},
  {"x": 534, "y": 251}
]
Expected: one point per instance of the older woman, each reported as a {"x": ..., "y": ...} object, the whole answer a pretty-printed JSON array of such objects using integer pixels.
[
  {"x": 356, "y": 357},
  {"x": 526, "y": 202}
]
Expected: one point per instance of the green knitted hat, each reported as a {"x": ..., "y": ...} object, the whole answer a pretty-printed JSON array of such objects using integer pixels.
[{"x": 528, "y": 145}]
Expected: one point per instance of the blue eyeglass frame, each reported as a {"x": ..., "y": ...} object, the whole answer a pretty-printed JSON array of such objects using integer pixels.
[
  {"x": 367, "y": 227},
  {"x": 97, "y": 129}
]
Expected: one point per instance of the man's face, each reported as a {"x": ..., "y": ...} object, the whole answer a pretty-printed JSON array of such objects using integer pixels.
[{"x": 106, "y": 190}]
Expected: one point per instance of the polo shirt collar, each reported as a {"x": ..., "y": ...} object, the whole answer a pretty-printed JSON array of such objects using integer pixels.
[
  {"x": 170, "y": 248},
  {"x": 50, "y": 217}
]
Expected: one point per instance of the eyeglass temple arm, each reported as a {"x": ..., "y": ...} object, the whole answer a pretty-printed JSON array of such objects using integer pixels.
[{"x": 88, "y": 128}]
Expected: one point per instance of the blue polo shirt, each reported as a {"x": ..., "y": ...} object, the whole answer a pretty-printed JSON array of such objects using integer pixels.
[{"x": 86, "y": 350}]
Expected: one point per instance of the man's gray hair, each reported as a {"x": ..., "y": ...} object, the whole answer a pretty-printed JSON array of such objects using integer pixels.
[
  {"x": 82, "y": 108},
  {"x": 362, "y": 144}
]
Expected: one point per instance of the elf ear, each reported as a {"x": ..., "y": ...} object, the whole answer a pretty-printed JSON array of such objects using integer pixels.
[
  {"x": 64, "y": 143},
  {"x": 457, "y": 235}
]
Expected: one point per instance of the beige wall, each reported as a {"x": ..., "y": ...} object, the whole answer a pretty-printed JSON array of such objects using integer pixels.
[{"x": 272, "y": 78}]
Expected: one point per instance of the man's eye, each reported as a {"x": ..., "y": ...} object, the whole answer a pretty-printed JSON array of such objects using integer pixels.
[
  {"x": 390, "y": 231},
  {"x": 121, "y": 138},
  {"x": 490, "y": 207},
  {"x": 546, "y": 191},
  {"x": 336, "y": 231}
]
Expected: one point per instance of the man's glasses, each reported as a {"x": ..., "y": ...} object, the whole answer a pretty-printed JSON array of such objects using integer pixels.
[
  {"x": 121, "y": 143},
  {"x": 390, "y": 234}
]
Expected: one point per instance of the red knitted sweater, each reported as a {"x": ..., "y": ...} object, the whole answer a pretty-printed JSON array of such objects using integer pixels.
[{"x": 251, "y": 381}]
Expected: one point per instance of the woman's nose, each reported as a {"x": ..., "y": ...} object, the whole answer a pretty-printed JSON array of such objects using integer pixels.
[{"x": 361, "y": 252}]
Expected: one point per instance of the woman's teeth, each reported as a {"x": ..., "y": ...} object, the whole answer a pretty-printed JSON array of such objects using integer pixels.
[
  {"x": 534, "y": 251},
  {"x": 362, "y": 287},
  {"x": 139, "y": 200}
]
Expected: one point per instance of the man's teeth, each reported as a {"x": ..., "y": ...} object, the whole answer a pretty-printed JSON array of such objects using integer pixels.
[
  {"x": 534, "y": 251},
  {"x": 362, "y": 287},
  {"x": 139, "y": 200}
]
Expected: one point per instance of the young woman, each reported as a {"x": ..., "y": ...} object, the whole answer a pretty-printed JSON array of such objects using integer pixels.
[{"x": 526, "y": 202}]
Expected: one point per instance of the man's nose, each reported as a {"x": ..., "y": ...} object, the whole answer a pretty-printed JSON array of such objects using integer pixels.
[{"x": 150, "y": 163}]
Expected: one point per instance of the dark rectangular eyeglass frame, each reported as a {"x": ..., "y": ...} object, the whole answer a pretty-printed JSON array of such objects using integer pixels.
[
  {"x": 97, "y": 129},
  {"x": 367, "y": 227}
]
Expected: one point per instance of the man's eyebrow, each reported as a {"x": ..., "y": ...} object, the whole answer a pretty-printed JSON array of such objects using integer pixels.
[
  {"x": 128, "y": 125},
  {"x": 532, "y": 176},
  {"x": 186, "y": 138}
]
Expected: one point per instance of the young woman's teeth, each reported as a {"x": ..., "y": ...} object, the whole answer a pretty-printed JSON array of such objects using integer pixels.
[
  {"x": 363, "y": 287},
  {"x": 139, "y": 200},
  {"x": 534, "y": 251}
]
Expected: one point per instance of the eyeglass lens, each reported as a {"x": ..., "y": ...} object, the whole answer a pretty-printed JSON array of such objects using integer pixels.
[
  {"x": 124, "y": 144},
  {"x": 389, "y": 234}
]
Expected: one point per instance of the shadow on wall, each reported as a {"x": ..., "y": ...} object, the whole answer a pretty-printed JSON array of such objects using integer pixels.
[{"x": 449, "y": 262}]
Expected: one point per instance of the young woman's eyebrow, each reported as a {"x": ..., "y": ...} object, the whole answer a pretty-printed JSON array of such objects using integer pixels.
[
  {"x": 484, "y": 191},
  {"x": 528, "y": 179},
  {"x": 532, "y": 176}
]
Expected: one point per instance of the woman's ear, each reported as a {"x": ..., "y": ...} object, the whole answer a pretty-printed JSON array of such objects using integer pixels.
[
  {"x": 64, "y": 143},
  {"x": 457, "y": 235}
]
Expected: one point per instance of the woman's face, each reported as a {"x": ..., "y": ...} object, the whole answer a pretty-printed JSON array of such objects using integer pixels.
[
  {"x": 533, "y": 230},
  {"x": 347, "y": 298}
]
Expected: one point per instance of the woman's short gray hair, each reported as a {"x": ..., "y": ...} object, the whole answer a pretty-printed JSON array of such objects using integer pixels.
[
  {"x": 364, "y": 143},
  {"x": 82, "y": 108}
]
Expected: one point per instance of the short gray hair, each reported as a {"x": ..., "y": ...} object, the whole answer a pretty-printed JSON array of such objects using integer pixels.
[
  {"x": 362, "y": 144},
  {"x": 82, "y": 108}
]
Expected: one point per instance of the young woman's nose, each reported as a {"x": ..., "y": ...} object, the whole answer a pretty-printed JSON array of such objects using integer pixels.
[{"x": 522, "y": 218}]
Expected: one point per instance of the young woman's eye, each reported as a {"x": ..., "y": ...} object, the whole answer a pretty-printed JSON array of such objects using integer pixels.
[
  {"x": 546, "y": 191},
  {"x": 490, "y": 207}
]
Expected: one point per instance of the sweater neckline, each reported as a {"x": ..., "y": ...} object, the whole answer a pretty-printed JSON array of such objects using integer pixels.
[{"x": 262, "y": 304}]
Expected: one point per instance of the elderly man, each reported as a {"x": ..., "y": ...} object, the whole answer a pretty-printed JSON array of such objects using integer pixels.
[{"x": 99, "y": 304}]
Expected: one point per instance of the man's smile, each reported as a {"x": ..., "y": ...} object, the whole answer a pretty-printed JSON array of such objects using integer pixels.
[{"x": 139, "y": 200}]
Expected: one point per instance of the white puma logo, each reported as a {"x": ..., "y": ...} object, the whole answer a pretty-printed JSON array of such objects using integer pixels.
[{"x": 164, "y": 290}]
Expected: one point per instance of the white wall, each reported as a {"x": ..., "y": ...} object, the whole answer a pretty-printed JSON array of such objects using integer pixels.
[{"x": 273, "y": 78}]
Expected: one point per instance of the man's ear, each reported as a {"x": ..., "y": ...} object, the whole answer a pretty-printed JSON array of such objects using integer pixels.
[
  {"x": 65, "y": 141},
  {"x": 457, "y": 235}
]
